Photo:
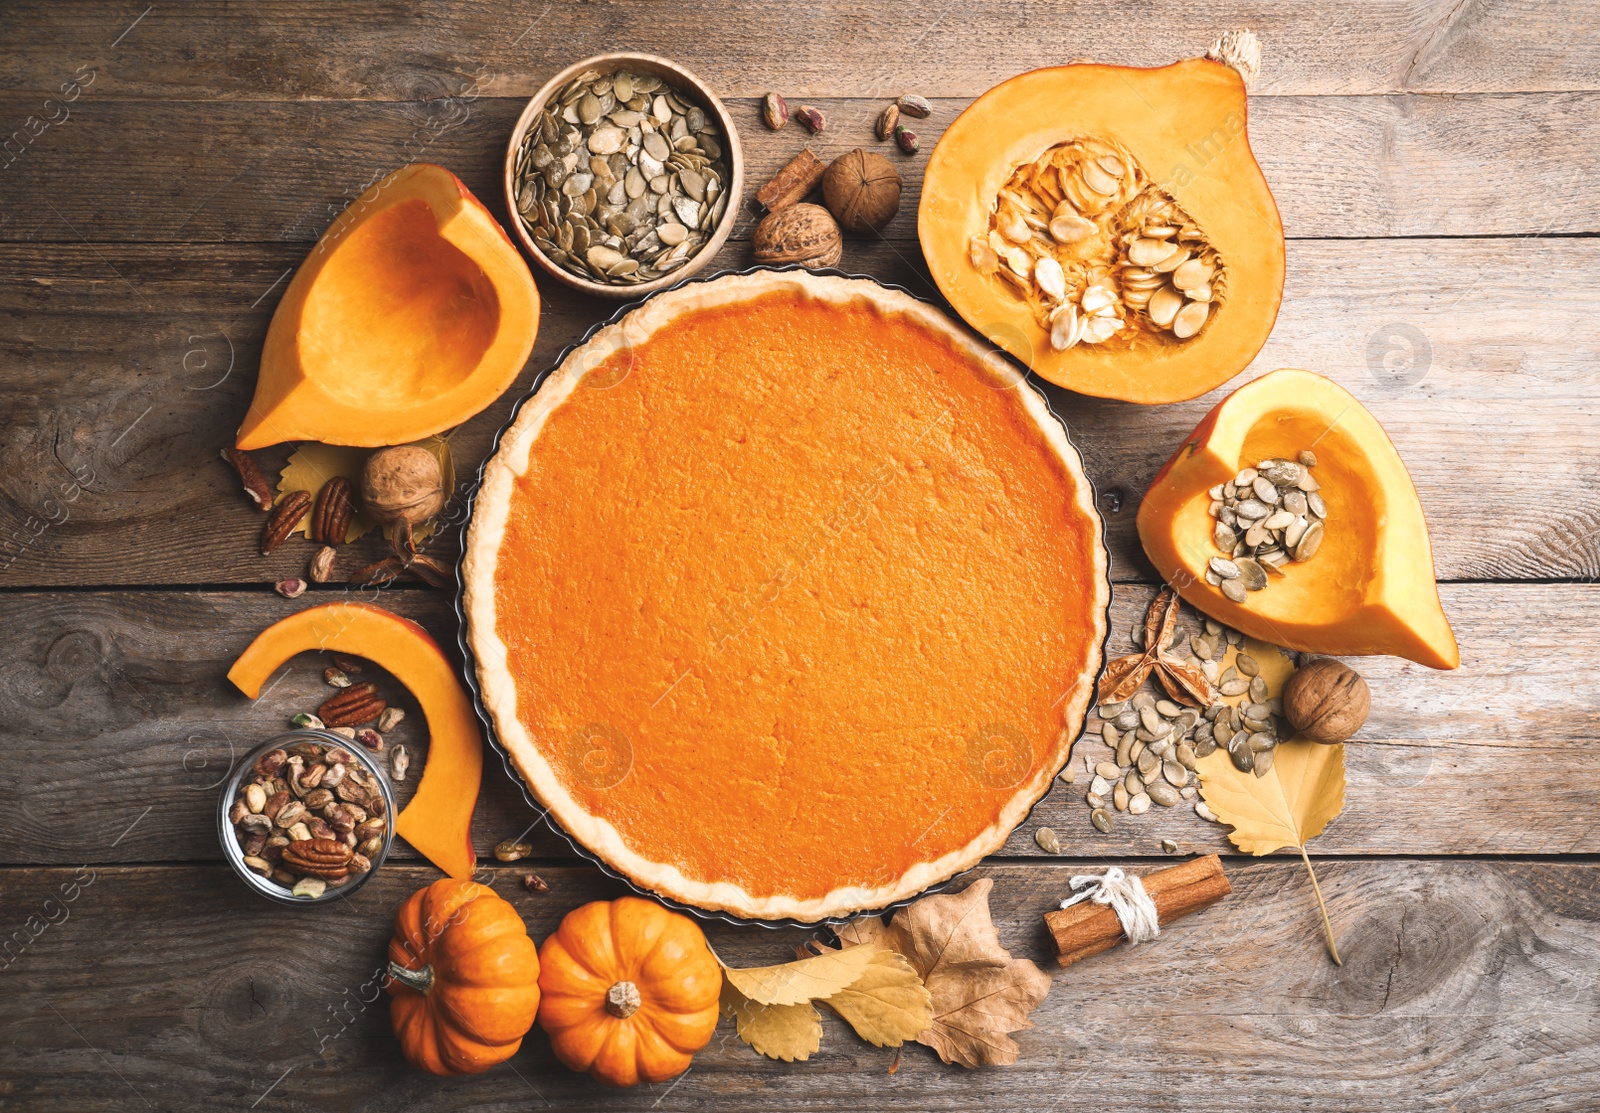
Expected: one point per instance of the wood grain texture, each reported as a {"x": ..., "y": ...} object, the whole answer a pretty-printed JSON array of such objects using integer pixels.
[
  {"x": 281, "y": 171},
  {"x": 118, "y": 703},
  {"x": 1476, "y": 355},
  {"x": 294, "y": 49},
  {"x": 1235, "y": 1007}
]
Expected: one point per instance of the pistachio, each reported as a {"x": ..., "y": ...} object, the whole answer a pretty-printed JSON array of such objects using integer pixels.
[
  {"x": 513, "y": 850},
  {"x": 311, "y": 887},
  {"x": 811, "y": 117},
  {"x": 390, "y": 719},
  {"x": 774, "y": 111},
  {"x": 399, "y": 763},
  {"x": 916, "y": 106},
  {"x": 906, "y": 139}
]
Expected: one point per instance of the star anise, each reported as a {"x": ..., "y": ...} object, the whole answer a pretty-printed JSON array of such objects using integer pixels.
[{"x": 1183, "y": 682}]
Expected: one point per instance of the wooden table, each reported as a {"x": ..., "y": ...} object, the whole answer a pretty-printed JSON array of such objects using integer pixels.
[{"x": 1435, "y": 163}]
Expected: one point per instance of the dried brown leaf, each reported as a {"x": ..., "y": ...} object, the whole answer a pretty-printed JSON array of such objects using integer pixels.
[
  {"x": 787, "y": 1032},
  {"x": 979, "y": 992}
]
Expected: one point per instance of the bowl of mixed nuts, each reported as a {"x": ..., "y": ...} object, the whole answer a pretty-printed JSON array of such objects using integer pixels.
[
  {"x": 623, "y": 175},
  {"x": 306, "y": 817}
]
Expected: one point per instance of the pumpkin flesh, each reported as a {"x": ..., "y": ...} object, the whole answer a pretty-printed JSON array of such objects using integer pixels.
[
  {"x": 412, "y": 313},
  {"x": 1370, "y": 588},
  {"x": 1185, "y": 125},
  {"x": 438, "y": 820}
]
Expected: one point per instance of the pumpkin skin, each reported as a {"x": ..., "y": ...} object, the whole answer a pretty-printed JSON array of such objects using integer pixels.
[
  {"x": 1370, "y": 588},
  {"x": 464, "y": 978},
  {"x": 1187, "y": 125},
  {"x": 412, "y": 313},
  {"x": 628, "y": 941},
  {"x": 438, "y": 821}
]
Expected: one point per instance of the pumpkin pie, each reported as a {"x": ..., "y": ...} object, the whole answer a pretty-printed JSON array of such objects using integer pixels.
[{"x": 786, "y": 595}]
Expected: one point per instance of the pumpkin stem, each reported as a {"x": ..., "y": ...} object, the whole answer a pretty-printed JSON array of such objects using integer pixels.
[
  {"x": 419, "y": 980},
  {"x": 622, "y": 1000}
]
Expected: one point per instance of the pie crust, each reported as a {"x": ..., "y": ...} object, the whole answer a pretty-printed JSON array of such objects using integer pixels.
[{"x": 906, "y": 602}]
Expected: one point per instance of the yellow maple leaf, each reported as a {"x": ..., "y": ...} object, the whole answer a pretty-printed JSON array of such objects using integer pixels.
[
  {"x": 1293, "y": 802},
  {"x": 806, "y": 979},
  {"x": 888, "y": 1004},
  {"x": 787, "y": 1032}
]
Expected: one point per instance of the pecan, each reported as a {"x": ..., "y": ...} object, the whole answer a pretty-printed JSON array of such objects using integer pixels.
[
  {"x": 353, "y": 706},
  {"x": 328, "y": 859},
  {"x": 285, "y": 517},
  {"x": 255, "y": 484},
  {"x": 334, "y": 508}
]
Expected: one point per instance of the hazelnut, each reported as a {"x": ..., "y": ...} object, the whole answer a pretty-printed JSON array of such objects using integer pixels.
[
  {"x": 804, "y": 233},
  {"x": 1327, "y": 700},
  {"x": 862, "y": 190}
]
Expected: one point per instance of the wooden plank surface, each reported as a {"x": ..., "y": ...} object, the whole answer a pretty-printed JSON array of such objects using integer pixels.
[
  {"x": 118, "y": 703},
  {"x": 295, "y": 49},
  {"x": 1434, "y": 162},
  {"x": 1467, "y": 985},
  {"x": 1475, "y": 355},
  {"x": 1516, "y": 164}
]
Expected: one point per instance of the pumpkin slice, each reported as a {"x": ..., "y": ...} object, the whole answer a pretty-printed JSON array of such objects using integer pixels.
[
  {"x": 412, "y": 313},
  {"x": 1109, "y": 227},
  {"x": 1369, "y": 588},
  {"x": 438, "y": 821}
]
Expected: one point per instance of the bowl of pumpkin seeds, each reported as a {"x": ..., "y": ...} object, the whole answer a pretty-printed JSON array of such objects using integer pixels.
[{"x": 624, "y": 175}]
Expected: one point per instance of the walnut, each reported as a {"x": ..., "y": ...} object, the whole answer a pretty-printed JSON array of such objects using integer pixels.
[
  {"x": 802, "y": 233},
  {"x": 403, "y": 483},
  {"x": 1327, "y": 700},
  {"x": 862, "y": 190}
]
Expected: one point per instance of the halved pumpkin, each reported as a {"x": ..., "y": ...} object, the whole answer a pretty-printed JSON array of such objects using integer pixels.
[
  {"x": 438, "y": 821},
  {"x": 412, "y": 313},
  {"x": 1040, "y": 154},
  {"x": 1369, "y": 588}
]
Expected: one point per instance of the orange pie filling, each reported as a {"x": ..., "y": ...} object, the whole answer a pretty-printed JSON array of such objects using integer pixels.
[{"x": 800, "y": 601}]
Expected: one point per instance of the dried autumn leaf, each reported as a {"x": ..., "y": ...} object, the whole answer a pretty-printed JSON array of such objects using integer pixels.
[
  {"x": 979, "y": 992},
  {"x": 314, "y": 463},
  {"x": 888, "y": 1004},
  {"x": 1293, "y": 802},
  {"x": 806, "y": 979},
  {"x": 787, "y": 1032}
]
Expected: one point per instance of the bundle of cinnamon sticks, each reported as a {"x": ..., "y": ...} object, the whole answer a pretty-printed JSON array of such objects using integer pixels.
[{"x": 1088, "y": 928}]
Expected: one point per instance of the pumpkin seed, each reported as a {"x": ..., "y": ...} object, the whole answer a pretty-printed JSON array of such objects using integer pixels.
[
  {"x": 1108, "y": 770},
  {"x": 1101, "y": 820},
  {"x": 1138, "y": 805},
  {"x": 1163, "y": 794},
  {"x": 603, "y": 147},
  {"x": 1048, "y": 840}
]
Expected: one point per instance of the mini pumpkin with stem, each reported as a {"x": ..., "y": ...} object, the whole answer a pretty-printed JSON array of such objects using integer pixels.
[
  {"x": 463, "y": 978},
  {"x": 630, "y": 991}
]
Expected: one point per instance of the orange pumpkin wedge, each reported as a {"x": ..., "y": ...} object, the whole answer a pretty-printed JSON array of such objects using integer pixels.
[
  {"x": 1370, "y": 588},
  {"x": 1173, "y": 136},
  {"x": 412, "y": 313},
  {"x": 438, "y": 821}
]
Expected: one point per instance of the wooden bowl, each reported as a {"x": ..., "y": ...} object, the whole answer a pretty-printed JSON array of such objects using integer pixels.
[{"x": 692, "y": 87}]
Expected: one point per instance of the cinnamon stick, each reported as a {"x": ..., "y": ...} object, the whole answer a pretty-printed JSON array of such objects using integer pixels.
[
  {"x": 1088, "y": 928},
  {"x": 798, "y": 178}
]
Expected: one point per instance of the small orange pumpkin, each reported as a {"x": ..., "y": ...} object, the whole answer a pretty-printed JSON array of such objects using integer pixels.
[
  {"x": 630, "y": 991},
  {"x": 464, "y": 978}
]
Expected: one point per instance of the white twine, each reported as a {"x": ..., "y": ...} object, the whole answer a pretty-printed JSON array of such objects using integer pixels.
[{"x": 1127, "y": 898}]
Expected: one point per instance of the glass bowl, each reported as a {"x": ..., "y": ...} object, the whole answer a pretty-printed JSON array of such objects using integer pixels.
[{"x": 311, "y": 748}]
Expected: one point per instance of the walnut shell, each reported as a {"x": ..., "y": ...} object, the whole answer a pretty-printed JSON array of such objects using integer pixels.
[
  {"x": 862, "y": 190},
  {"x": 402, "y": 483},
  {"x": 802, "y": 233},
  {"x": 1327, "y": 700}
]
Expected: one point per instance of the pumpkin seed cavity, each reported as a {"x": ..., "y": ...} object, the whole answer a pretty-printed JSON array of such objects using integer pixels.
[
  {"x": 1267, "y": 517},
  {"x": 1099, "y": 251},
  {"x": 622, "y": 178}
]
